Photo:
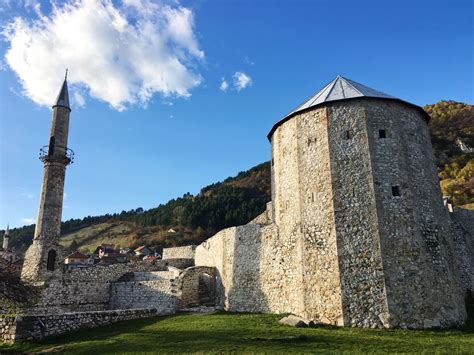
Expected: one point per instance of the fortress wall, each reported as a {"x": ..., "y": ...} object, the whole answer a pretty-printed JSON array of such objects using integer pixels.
[
  {"x": 358, "y": 248},
  {"x": 287, "y": 212},
  {"x": 186, "y": 252},
  {"x": 147, "y": 290},
  {"x": 89, "y": 289},
  {"x": 250, "y": 267},
  {"x": 462, "y": 223},
  {"x": 416, "y": 240},
  {"x": 322, "y": 290},
  {"x": 15, "y": 328}
]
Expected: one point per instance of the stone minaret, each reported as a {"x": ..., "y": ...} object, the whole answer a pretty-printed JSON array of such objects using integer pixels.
[
  {"x": 5, "y": 238},
  {"x": 43, "y": 258}
]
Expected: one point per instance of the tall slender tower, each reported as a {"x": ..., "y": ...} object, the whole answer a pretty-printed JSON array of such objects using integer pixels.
[
  {"x": 6, "y": 237},
  {"x": 43, "y": 257}
]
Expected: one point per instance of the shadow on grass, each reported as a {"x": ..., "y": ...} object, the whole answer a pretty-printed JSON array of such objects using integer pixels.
[{"x": 245, "y": 332}]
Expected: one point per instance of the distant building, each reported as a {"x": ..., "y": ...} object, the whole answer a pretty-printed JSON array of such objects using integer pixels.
[
  {"x": 78, "y": 259},
  {"x": 143, "y": 251},
  {"x": 109, "y": 255},
  {"x": 104, "y": 250}
]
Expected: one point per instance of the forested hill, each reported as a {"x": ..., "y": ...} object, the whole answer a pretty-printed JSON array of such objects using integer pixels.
[
  {"x": 237, "y": 200},
  {"x": 452, "y": 127},
  {"x": 234, "y": 201}
]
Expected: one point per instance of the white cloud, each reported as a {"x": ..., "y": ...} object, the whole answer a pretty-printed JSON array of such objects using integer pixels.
[
  {"x": 241, "y": 80},
  {"x": 28, "y": 220},
  {"x": 79, "y": 99},
  {"x": 118, "y": 53},
  {"x": 224, "y": 85}
]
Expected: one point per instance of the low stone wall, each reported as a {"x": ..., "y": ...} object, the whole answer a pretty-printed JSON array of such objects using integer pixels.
[
  {"x": 15, "y": 328},
  {"x": 186, "y": 252},
  {"x": 113, "y": 272},
  {"x": 89, "y": 289},
  {"x": 156, "y": 289}
]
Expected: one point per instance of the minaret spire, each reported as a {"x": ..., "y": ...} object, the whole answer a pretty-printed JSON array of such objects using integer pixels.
[{"x": 63, "y": 96}]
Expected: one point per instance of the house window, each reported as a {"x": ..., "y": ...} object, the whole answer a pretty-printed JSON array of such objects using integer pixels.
[
  {"x": 347, "y": 135},
  {"x": 382, "y": 133},
  {"x": 51, "y": 260},
  {"x": 396, "y": 191}
]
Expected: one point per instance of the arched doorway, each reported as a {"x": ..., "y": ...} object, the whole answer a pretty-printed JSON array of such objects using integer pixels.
[{"x": 206, "y": 290}]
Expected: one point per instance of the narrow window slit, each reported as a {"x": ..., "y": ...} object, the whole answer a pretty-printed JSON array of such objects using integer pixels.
[
  {"x": 396, "y": 191},
  {"x": 382, "y": 133}
]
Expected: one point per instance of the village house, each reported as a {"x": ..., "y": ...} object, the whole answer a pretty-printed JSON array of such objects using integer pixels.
[
  {"x": 143, "y": 251},
  {"x": 78, "y": 260}
]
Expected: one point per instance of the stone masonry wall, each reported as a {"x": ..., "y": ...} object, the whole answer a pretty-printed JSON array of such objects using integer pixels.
[
  {"x": 355, "y": 219},
  {"x": 249, "y": 266},
  {"x": 322, "y": 291},
  {"x": 287, "y": 215},
  {"x": 186, "y": 252},
  {"x": 89, "y": 289},
  {"x": 15, "y": 328},
  {"x": 422, "y": 283},
  {"x": 462, "y": 223},
  {"x": 189, "y": 283},
  {"x": 151, "y": 289}
]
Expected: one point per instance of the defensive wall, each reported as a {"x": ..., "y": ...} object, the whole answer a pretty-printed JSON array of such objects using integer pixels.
[{"x": 186, "y": 252}]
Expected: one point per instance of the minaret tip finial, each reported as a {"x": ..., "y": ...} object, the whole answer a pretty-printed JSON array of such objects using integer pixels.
[{"x": 65, "y": 76}]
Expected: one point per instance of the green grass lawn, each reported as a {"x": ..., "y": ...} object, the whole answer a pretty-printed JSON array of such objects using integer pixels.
[{"x": 249, "y": 333}]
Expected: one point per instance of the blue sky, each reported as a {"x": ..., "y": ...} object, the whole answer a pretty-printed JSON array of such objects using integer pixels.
[{"x": 164, "y": 129}]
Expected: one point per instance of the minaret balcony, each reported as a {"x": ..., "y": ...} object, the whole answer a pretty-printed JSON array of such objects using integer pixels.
[{"x": 59, "y": 154}]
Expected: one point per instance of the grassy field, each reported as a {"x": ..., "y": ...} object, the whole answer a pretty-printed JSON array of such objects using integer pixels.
[{"x": 247, "y": 333}]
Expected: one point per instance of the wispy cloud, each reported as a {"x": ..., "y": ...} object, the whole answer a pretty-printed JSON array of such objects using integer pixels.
[
  {"x": 248, "y": 61},
  {"x": 224, "y": 85},
  {"x": 28, "y": 220},
  {"x": 241, "y": 80},
  {"x": 118, "y": 52},
  {"x": 27, "y": 195}
]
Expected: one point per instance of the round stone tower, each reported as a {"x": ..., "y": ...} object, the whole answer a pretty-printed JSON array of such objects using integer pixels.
[
  {"x": 356, "y": 195},
  {"x": 43, "y": 258}
]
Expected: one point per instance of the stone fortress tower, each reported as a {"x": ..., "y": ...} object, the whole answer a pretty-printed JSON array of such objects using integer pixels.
[
  {"x": 356, "y": 233},
  {"x": 43, "y": 258}
]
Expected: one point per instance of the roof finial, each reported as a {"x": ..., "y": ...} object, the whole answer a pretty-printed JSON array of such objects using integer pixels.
[{"x": 65, "y": 76}]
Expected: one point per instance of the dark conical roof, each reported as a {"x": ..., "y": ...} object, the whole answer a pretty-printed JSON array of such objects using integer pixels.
[
  {"x": 340, "y": 89},
  {"x": 63, "y": 97}
]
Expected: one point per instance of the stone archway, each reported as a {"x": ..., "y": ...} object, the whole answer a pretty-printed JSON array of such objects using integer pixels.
[{"x": 198, "y": 286}]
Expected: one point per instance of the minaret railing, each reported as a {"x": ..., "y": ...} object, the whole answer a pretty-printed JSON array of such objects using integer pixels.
[{"x": 45, "y": 154}]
